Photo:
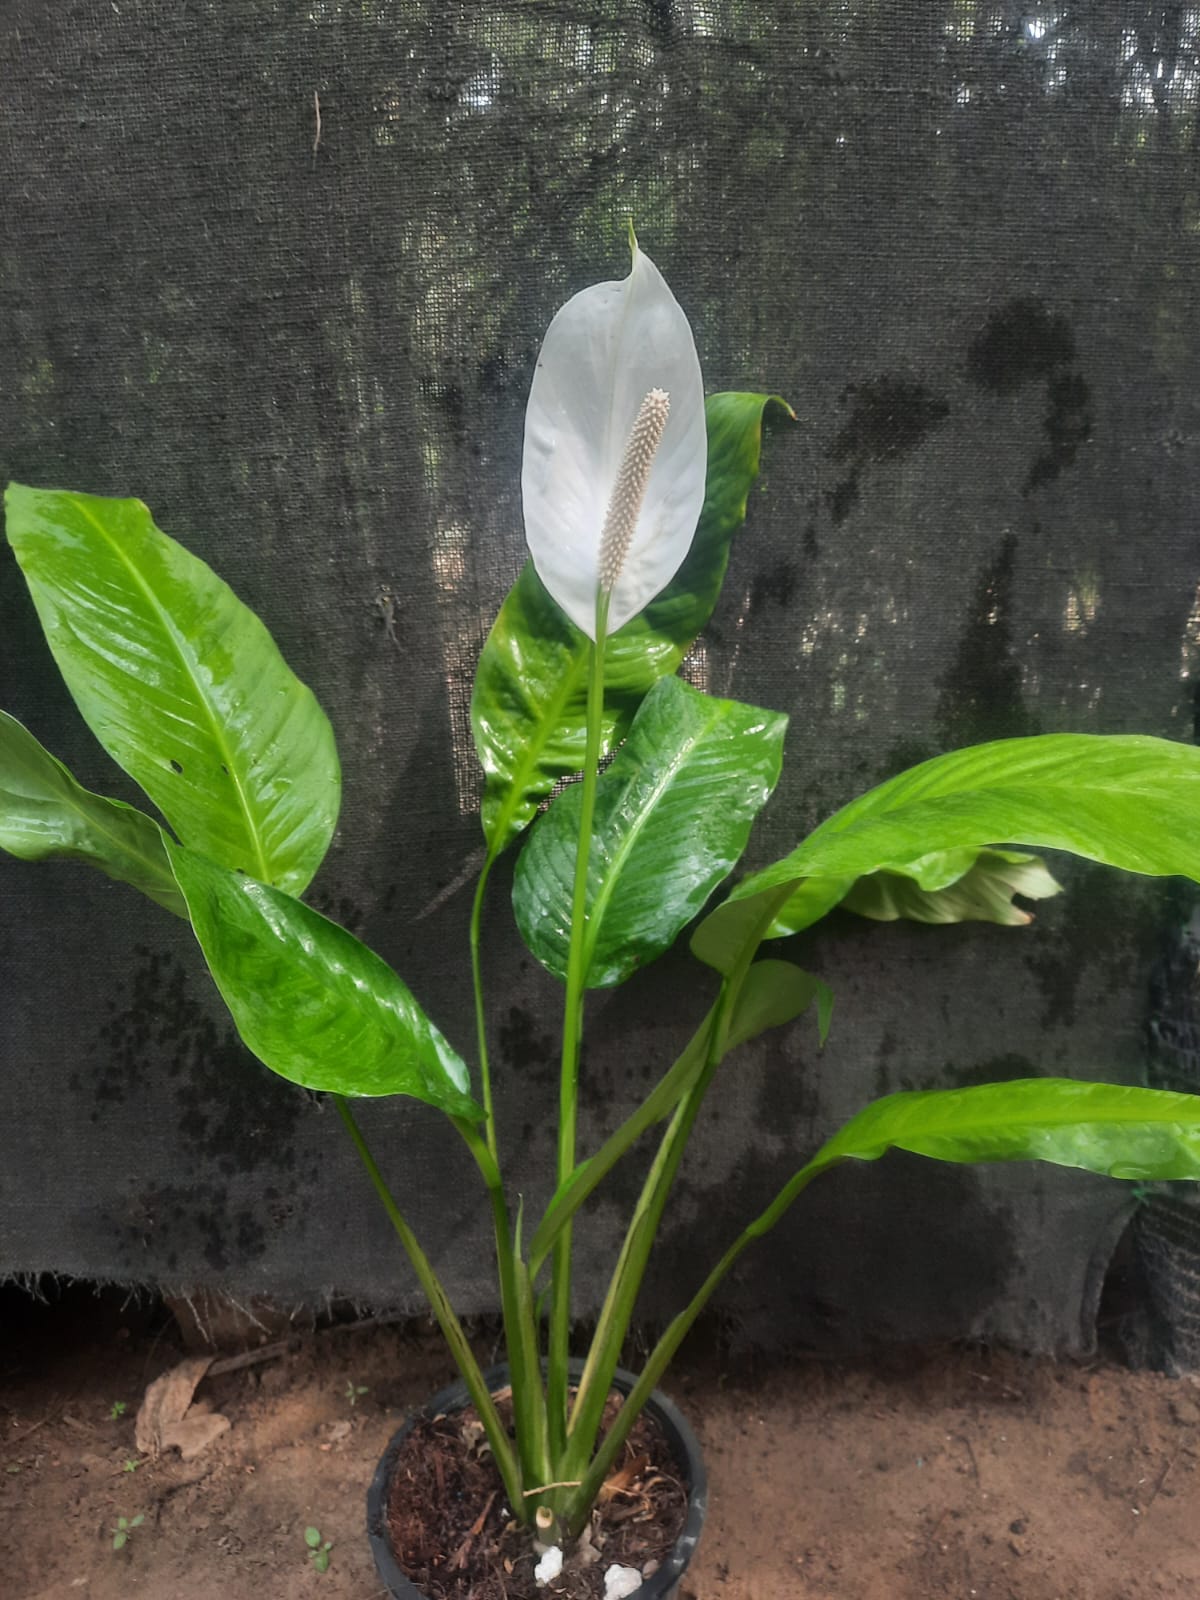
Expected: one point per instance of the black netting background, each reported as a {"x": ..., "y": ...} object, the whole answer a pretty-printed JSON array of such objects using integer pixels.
[{"x": 281, "y": 269}]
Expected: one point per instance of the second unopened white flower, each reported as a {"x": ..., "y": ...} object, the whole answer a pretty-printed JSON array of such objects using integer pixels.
[{"x": 615, "y": 447}]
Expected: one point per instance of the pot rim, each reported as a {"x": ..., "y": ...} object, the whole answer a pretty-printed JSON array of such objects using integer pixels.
[{"x": 454, "y": 1397}]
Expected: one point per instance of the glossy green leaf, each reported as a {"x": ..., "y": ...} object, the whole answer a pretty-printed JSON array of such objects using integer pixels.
[
  {"x": 181, "y": 683},
  {"x": 982, "y": 891},
  {"x": 528, "y": 709},
  {"x": 1149, "y": 1134},
  {"x": 1128, "y": 801},
  {"x": 45, "y": 813},
  {"x": 673, "y": 812},
  {"x": 309, "y": 999}
]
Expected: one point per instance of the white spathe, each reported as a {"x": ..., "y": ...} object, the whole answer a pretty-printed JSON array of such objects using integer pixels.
[{"x": 604, "y": 352}]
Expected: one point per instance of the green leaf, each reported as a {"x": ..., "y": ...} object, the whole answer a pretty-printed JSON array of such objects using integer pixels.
[
  {"x": 1122, "y": 1132},
  {"x": 723, "y": 937},
  {"x": 1145, "y": 1134},
  {"x": 673, "y": 812},
  {"x": 44, "y": 813},
  {"x": 774, "y": 994},
  {"x": 312, "y": 1002},
  {"x": 312, "y": 1538},
  {"x": 982, "y": 890},
  {"x": 181, "y": 683},
  {"x": 1128, "y": 801},
  {"x": 528, "y": 709}
]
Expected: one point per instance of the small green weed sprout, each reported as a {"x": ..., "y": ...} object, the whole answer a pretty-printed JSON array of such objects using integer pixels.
[
  {"x": 318, "y": 1549},
  {"x": 117, "y": 1410},
  {"x": 355, "y": 1391},
  {"x": 124, "y": 1527}
]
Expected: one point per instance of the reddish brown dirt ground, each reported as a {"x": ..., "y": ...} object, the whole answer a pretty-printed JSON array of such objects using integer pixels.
[{"x": 952, "y": 1473}]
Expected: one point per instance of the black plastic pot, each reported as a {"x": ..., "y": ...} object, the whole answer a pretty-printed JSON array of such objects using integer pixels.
[{"x": 661, "y": 1585}]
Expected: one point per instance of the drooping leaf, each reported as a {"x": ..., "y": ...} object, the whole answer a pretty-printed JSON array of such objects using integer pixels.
[
  {"x": 309, "y": 999},
  {"x": 528, "y": 709},
  {"x": 606, "y": 352},
  {"x": 1128, "y": 801},
  {"x": 44, "y": 812},
  {"x": 673, "y": 812},
  {"x": 982, "y": 891},
  {"x": 181, "y": 683},
  {"x": 1149, "y": 1134}
]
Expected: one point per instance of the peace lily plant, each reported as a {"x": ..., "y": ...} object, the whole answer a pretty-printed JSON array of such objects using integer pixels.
[{"x": 633, "y": 487}]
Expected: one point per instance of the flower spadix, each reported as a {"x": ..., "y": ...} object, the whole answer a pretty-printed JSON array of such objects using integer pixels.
[{"x": 615, "y": 447}]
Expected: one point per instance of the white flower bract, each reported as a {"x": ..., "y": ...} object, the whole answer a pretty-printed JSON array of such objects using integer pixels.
[{"x": 617, "y": 376}]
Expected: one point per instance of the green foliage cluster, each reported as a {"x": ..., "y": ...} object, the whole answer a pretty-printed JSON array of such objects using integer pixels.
[
  {"x": 186, "y": 690},
  {"x": 123, "y": 1531}
]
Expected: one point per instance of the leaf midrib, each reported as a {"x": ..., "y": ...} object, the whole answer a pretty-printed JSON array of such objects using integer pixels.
[
  {"x": 944, "y": 1123},
  {"x": 114, "y": 838},
  {"x": 72, "y": 795},
  {"x": 827, "y": 833},
  {"x": 595, "y": 917},
  {"x": 523, "y": 769},
  {"x": 1031, "y": 787}
]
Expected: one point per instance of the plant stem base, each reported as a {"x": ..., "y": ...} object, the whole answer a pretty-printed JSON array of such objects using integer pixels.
[{"x": 437, "y": 1513}]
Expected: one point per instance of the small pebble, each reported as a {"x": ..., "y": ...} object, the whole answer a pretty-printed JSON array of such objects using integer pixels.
[
  {"x": 620, "y": 1582},
  {"x": 549, "y": 1567}
]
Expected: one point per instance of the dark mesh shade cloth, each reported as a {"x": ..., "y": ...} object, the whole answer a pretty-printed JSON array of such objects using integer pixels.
[{"x": 282, "y": 270}]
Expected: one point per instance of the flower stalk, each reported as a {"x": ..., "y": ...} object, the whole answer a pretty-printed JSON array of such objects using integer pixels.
[{"x": 560, "y": 1324}]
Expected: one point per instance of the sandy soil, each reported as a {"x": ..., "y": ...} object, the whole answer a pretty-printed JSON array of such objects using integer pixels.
[{"x": 951, "y": 1473}]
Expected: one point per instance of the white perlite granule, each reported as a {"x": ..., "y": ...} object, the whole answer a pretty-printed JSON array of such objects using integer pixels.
[
  {"x": 620, "y": 1582},
  {"x": 549, "y": 1567}
]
